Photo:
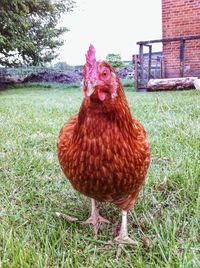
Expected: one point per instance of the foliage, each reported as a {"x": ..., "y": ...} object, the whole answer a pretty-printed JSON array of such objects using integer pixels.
[
  {"x": 115, "y": 60},
  {"x": 165, "y": 220},
  {"x": 62, "y": 65},
  {"x": 128, "y": 83},
  {"x": 29, "y": 32},
  {"x": 126, "y": 72}
]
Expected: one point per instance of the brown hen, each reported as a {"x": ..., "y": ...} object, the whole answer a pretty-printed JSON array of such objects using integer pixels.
[{"x": 102, "y": 150}]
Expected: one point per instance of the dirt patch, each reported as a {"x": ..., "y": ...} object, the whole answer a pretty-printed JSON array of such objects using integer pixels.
[
  {"x": 56, "y": 77},
  {"x": 8, "y": 81}
]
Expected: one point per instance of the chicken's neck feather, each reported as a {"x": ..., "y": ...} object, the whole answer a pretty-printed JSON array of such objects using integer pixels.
[{"x": 96, "y": 117}]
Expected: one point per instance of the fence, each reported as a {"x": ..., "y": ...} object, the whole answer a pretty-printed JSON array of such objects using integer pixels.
[
  {"x": 152, "y": 67},
  {"x": 21, "y": 72}
]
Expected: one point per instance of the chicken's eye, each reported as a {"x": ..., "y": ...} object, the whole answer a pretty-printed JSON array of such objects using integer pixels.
[{"x": 104, "y": 73}]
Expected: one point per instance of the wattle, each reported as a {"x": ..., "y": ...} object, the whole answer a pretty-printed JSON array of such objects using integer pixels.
[{"x": 101, "y": 95}]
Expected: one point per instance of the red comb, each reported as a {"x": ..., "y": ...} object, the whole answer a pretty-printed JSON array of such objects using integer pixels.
[
  {"x": 90, "y": 69},
  {"x": 90, "y": 56}
]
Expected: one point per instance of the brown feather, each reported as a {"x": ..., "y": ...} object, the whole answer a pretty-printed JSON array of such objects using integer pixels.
[{"x": 104, "y": 152}]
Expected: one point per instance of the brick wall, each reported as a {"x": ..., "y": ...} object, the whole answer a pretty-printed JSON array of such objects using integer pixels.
[{"x": 181, "y": 18}]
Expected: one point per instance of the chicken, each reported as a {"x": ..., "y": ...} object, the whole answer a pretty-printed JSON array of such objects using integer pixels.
[{"x": 102, "y": 150}]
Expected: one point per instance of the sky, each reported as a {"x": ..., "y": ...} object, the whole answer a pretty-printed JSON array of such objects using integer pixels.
[{"x": 111, "y": 26}]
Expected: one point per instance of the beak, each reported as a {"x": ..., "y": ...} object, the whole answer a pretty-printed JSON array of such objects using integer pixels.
[{"x": 90, "y": 89}]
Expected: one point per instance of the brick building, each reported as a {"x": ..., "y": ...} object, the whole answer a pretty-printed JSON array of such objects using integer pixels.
[{"x": 181, "y": 18}]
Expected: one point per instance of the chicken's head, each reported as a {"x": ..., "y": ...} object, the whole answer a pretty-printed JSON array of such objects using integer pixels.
[{"x": 100, "y": 78}]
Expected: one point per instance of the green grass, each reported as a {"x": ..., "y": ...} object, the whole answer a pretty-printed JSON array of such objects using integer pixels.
[{"x": 33, "y": 188}]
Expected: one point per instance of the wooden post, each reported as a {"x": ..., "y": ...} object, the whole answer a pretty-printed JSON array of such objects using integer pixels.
[
  {"x": 136, "y": 71},
  {"x": 141, "y": 58},
  {"x": 149, "y": 63},
  {"x": 162, "y": 67},
  {"x": 182, "y": 57}
]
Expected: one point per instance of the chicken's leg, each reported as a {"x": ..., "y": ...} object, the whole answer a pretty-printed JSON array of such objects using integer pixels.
[
  {"x": 123, "y": 234},
  {"x": 96, "y": 219}
]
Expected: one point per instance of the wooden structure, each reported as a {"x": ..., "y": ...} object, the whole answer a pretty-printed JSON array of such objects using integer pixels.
[{"x": 142, "y": 70}]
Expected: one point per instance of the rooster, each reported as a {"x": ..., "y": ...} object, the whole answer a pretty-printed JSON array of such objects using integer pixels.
[{"x": 103, "y": 150}]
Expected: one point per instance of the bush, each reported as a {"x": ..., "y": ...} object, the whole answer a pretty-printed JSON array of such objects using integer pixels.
[{"x": 115, "y": 60}]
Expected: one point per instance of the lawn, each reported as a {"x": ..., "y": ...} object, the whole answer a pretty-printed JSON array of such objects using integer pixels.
[{"x": 165, "y": 220}]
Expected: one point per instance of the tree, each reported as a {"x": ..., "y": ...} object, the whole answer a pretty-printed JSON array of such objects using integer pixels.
[
  {"x": 62, "y": 65},
  {"x": 115, "y": 60},
  {"x": 29, "y": 32}
]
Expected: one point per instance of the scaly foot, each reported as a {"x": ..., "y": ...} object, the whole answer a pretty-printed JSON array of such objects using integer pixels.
[
  {"x": 125, "y": 240},
  {"x": 95, "y": 219},
  {"x": 123, "y": 237}
]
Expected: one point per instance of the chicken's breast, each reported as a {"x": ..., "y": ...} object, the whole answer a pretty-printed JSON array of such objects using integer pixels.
[{"x": 104, "y": 160}]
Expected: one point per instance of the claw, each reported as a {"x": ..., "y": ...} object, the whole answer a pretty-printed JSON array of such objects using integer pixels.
[
  {"x": 95, "y": 219},
  {"x": 126, "y": 240}
]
